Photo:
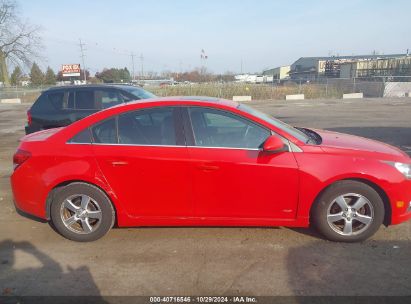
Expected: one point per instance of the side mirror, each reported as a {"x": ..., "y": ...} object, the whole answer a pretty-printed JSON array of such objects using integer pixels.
[{"x": 274, "y": 144}]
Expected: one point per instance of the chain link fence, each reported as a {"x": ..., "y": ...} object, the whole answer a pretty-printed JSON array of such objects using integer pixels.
[
  {"x": 326, "y": 88},
  {"x": 320, "y": 89},
  {"x": 25, "y": 94}
]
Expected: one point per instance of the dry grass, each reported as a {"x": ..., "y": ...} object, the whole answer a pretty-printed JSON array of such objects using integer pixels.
[
  {"x": 256, "y": 91},
  {"x": 220, "y": 90}
]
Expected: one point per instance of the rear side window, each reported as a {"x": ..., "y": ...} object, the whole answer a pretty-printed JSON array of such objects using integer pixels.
[
  {"x": 57, "y": 99},
  {"x": 48, "y": 102},
  {"x": 147, "y": 127},
  {"x": 105, "y": 132},
  {"x": 84, "y": 100},
  {"x": 82, "y": 138}
]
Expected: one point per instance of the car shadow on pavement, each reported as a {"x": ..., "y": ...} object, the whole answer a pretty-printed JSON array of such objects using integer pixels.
[
  {"x": 37, "y": 274},
  {"x": 371, "y": 268},
  {"x": 397, "y": 136}
]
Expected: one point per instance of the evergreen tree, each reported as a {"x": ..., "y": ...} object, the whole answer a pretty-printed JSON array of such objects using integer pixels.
[
  {"x": 50, "y": 77},
  {"x": 36, "y": 75},
  {"x": 16, "y": 76},
  {"x": 125, "y": 75}
]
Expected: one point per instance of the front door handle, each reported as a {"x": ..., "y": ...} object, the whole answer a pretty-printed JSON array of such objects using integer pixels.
[
  {"x": 117, "y": 163},
  {"x": 206, "y": 167}
]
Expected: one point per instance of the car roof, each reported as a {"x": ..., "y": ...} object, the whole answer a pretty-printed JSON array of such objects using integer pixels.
[
  {"x": 185, "y": 99},
  {"x": 92, "y": 86}
]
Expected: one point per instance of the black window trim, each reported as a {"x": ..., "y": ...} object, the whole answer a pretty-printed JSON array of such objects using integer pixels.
[{"x": 184, "y": 129}]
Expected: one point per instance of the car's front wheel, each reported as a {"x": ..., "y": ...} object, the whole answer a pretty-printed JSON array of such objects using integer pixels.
[
  {"x": 348, "y": 211},
  {"x": 82, "y": 212}
]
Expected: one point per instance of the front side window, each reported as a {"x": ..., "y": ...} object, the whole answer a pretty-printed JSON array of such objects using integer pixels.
[
  {"x": 215, "y": 128},
  {"x": 108, "y": 98},
  {"x": 139, "y": 93},
  {"x": 275, "y": 122},
  {"x": 147, "y": 127}
]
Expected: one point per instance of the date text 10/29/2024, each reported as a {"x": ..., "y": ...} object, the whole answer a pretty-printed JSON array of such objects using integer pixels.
[{"x": 208, "y": 299}]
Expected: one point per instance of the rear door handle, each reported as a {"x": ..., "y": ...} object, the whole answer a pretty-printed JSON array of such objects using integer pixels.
[
  {"x": 205, "y": 167},
  {"x": 117, "y": 163}
]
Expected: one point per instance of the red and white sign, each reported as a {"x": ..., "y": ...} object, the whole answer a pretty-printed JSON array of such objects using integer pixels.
[{"x": 70, "y": 70}]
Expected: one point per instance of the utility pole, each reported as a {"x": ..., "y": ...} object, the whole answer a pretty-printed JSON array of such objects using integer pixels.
[
  {"x": 142, "y": 65},
  {"x": 82, "y": 49},
  {"x": 132, "y": 61}
]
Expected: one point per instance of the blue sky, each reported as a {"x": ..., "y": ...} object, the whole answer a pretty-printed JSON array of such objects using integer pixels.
[{"x": 171, "y": 34}]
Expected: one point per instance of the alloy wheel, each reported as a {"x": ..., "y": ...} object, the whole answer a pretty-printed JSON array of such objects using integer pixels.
[
  {"x": 81, "y": 214},
  {"x": 350, "y": 214}
]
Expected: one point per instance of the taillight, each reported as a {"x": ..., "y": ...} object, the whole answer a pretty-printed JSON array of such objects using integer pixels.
[
  {"x": 29, "y": 119},
  {"x": 20, "y": 157}
]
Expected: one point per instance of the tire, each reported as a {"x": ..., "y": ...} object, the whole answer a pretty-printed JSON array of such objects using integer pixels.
[
  {"x": 363, "y": 212},
  {"x": 82, "y": 212}
]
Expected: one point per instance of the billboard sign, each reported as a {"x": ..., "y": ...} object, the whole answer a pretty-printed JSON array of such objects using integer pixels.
[{"x": 70, "y": 70}]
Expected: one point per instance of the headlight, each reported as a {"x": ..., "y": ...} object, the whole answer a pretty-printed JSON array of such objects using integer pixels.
[{"x": 405, "y": 169}]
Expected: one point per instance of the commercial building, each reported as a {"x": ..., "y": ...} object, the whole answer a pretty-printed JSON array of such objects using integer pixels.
[
  {"x": 381, "y": 67},
  {"x": 277, "y": 74},
  {"x": 314, "y": 68}
]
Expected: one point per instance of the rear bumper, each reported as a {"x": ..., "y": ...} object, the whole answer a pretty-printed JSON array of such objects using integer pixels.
[{"x": 28, "y": 194}]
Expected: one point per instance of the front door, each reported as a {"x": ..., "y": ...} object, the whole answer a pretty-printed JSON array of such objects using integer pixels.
[{"x": 233, "y": 178}]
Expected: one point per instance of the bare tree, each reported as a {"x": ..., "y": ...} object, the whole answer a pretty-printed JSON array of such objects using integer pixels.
[{"x": 19, "y": 41}]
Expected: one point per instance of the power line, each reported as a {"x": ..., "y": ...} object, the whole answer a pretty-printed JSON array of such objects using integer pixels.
[{"x": 82, "y": 58}]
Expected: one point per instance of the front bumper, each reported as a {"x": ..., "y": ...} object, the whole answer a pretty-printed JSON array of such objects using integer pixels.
[
  {"x": 402, "y": 217},
  {"x": 399, "y": 195}
]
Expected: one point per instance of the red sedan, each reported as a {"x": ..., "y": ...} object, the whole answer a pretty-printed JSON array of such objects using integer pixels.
[{"x": 207, "y": 162}]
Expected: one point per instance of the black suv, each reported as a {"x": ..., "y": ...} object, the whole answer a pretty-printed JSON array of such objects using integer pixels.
[{"x": 61, "y": 106}]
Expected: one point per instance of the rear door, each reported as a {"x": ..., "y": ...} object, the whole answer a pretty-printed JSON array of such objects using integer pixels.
[
  {"x": 143, "y": 156},
  {"x": 84, "y": 102}
]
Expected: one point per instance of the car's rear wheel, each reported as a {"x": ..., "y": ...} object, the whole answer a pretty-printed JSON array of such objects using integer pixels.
[
  {"x": 82, "y": 212},
  {"x": 348, "y": 211}
]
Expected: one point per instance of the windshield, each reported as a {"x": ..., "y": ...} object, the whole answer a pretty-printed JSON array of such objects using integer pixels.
[
  {"x": 140, "y": 93},
  {"x": 275, "y": 122}
]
